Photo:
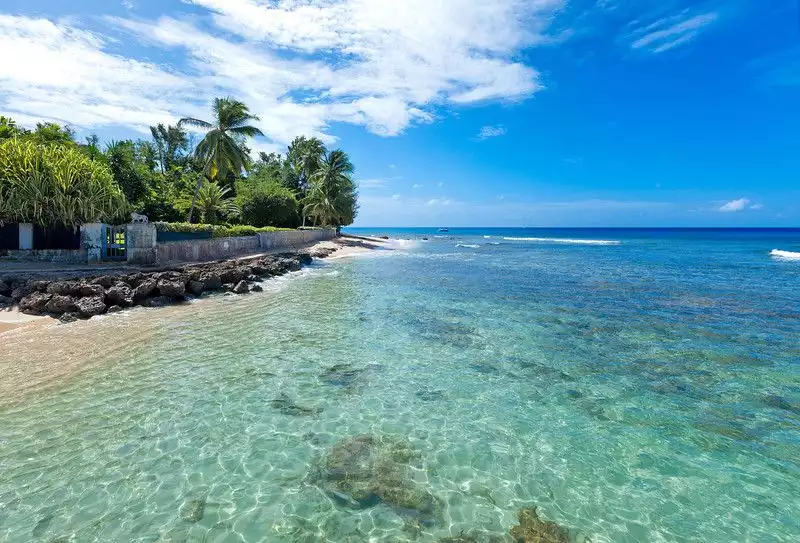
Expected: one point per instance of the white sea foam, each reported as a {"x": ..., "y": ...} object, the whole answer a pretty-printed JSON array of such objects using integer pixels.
[
  {"x": 487, "y": 237},
  {"x": 468, "y": 245},
  {"x": 785, "y": 254},
  {"x": 568, "y": 241}
]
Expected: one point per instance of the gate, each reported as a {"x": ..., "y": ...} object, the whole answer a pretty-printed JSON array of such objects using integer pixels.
[{"x": 115, "y": 243}]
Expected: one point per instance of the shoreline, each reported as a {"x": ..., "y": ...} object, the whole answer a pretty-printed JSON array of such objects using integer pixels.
[{"x": 39, "y": 296}]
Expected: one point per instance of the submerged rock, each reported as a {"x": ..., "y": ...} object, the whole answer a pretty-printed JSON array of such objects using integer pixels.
[
  {"x": 532, "y": 529},
  {"x": 193, "y": 510},
  {"x": 287, "y": 406},
  {"x": 114, "y": 309},
  {"x": 364, "y": 471},
  {"x": 256, "y": 288},
  {"x": 343, "y": 375},
  {"x": 241, "y": 288}
]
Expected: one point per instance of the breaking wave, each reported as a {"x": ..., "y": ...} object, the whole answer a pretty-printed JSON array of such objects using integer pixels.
[
  {"x": 785, "y": 254},
  {"x": 568, "y": 241},
  {"x": 468, "y": 245}
]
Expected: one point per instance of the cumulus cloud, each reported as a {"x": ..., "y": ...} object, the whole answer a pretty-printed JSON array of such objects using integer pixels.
[
  {"x": 491, "y": 132},
  {"x": 300, "y": 66},
  {"x": 671, "y": 32},
  {"x": 734, "y": 206}
]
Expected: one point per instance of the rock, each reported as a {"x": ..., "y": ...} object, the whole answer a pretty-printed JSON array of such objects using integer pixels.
[
  {"x": 92, "y": 290},
  {"x": 363, "y": 471},
  {"x": 69, "y": 317},
  {"x": 159, "y": 301},
  {"x": 6, "y": 301},
  {"x": 532, "y": 529},
  {"x": 195, "y": 287},
  {"x": 254, "y": 279},
  {"x": 144, "y": 289},
  {"x": 344, "y": 375},
  {"x": 106, "y": 281},
  {"x": 5, "y": 288},
  {"x": 173, "y": 288},
  {"x": 256, "y": 288},
  {"x": 20, "y": 292},
  {"x": 91, "y": 305},
  {"x": 59, "y": 304},
  {"x": 41, "y": 286},
  {"x": 241, "y": 288},
  {"x": 287, "y": 406},
  {"x": 119, "y": 294},
  {"x": 114, "y": 309},
  {"x": 292, "y": 264},
  {"x": 34, "y": 302},
  {"x": 232, "y": 275},
  {"x": 304, "y": 259},
  {"x": 259, "y": 270},
  {"x": 211, "y": 281},
  {"x": 64, "y": 288},
  {"x": 193, "y": 510}
]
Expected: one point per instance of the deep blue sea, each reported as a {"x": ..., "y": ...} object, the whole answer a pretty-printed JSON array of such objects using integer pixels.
[{"x": 632, "y": 384}]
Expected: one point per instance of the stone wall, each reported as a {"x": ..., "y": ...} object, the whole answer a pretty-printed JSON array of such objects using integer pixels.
[
  {"x": 293, "y": 239},
  {"x": 63, "y": 256},
  {"x": 141, "y": 243}
]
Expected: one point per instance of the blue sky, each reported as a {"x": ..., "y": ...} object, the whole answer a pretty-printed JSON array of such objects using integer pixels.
[{"x": 513, "y": 113}]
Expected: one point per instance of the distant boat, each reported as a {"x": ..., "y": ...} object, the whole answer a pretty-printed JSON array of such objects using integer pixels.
[{"x": 443, "y": 230}]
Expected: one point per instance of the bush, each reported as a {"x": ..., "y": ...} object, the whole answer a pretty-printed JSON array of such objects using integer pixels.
[
  {"x": 267, "y": 203},
  {"x": 217, "y": 231}
]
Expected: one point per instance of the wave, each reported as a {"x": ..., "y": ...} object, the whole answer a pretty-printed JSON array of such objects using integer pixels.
[
  {"x": 785, "y": 254},
  {"x": 468, "y": 245},
  {"x": 568, "y": 241},
  {"x": 487, "y": 237}
]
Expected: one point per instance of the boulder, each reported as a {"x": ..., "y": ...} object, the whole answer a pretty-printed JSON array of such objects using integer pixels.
[
  {"x": 34, "y": 302},
  {"x": 211, "y": 281},
  {"x": 91, "y": 305},
  {"x": 304, "y": 259},
  {"x": 233, "y": 275},
  {"x": 6, "y": 301},
  {"x": 144, "y": 289},
  {"x": 59, "y": 304},
  {"x": 159, "y": 301},
  {"x": 174, "y": 288},
  {"x": 254, "y": 278},
  {"x": 195, "y": 287},
  {"x": 119, "y": 294},
  {"x": 256, "y": 288},
  {"x": 114, "y": 309},
  {"x": 41, "y": 286},
  {"x": 259, "y": 270},
  {"x": 69, "y": 317},
  {"x": 21, "y": 292},
  {"x": 5, "y": 288},
  {"x": 106, "y": 281},
  {"x": 92, "y": 290},
  {"x": 64, "y": 288},
  {"x": 241, "y": 287}
]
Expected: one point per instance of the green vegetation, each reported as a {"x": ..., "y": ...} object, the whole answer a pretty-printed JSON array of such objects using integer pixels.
[
  {"x": 217, "y": 230},
  {"x": 47, "y": 177}
]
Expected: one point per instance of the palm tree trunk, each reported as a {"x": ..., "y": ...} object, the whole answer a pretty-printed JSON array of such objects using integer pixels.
[{"x": 197, "y": 188}]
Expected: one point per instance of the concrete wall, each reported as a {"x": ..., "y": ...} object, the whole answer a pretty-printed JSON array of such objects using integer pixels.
[
  {"x": 25, "y": 236},
  {"x": 62, "y": 256},
  {"x": 92, "y": 240},
  {"x": 141, "y": 240},
  {"x": 200, "y": 250}
]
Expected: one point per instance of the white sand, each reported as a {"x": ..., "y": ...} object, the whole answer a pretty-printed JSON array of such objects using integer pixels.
[{"x": 11, "y": 319}]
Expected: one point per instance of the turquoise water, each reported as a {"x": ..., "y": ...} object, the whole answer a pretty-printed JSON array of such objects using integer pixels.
[{"x": 645, "y": 389}]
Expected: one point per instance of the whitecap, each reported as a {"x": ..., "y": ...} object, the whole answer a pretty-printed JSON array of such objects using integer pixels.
[
  {"x": 487, "y": 237},
  {"x": 468, "y": 245},
  {"x": 568, "y": 241},
  {"x": 789, "y": 255}
]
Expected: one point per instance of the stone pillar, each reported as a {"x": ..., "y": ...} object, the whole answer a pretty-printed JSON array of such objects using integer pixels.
[
  {"x": 25, "y": 236},
  {"x": 92, "y": 240},
  {"x": 141, "y": 240}
]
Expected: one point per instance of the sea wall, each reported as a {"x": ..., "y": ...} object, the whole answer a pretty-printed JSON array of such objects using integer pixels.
[
  {"x": 294, "y": 239},
  {"x": 63, "y": 256}
]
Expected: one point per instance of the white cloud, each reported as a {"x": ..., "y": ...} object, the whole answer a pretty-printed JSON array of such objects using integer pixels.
[
  {"x": 396, "y": 196},
  {"x": 671, "y": 32},
  {"x": 372, "y": 183},
  {"x": 491, "y": 132},
  {"x": 756, "y": 207},
  {"x": 299, "y": 65},
  {"x": 416, "y": 186},
  {"x": 734, "y": 206}
]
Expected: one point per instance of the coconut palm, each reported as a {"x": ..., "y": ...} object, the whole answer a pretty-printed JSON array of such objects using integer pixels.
[
  {"x": 221, "y": 149},
  {"x": 332, "y": 196},
  {"x": 213, "y": 201},
  {"x": 306, "y": 156},
  {"x": 169, "y": 141}
]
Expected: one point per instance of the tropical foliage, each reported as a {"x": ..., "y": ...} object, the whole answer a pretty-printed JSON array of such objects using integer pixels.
[
  {"x": 47, "y": 177},
  {"x": 55, "y": 185}
]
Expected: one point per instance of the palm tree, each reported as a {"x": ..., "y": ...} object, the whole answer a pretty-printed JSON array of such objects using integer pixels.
[
  {"x": 169, "y": 141},
  {"x": 332, "y": 196},
  {"x": 221, "y": 149},
  {"x": 213, "y": 201}
]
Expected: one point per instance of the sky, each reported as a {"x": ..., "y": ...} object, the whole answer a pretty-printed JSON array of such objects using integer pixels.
[{"x": 454, "y": 112}]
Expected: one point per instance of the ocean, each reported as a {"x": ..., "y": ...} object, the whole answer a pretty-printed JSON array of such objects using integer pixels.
[{"x": 633, "y": 385}]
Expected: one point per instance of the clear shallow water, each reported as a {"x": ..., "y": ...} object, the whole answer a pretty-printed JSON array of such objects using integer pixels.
[{"x": 641, "y": 391}]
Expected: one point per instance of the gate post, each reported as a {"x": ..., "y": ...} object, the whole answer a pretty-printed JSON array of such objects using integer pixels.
[
  {"x": 92, "y": 236},
  {"x": 141, "y": 243}
]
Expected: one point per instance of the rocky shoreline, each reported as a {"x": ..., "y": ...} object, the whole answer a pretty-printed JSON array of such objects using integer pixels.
[{"x": 73, "y": 299}]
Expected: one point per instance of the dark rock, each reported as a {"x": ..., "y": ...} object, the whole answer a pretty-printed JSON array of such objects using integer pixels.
[
  {"x": 69, "y": 317},
  {"x": 106, "y": 281},
  {"x": 254, "y": 279},
  {"x": 92, "y": 290},
  {"x": 174, "y": 288},
  {"x": 233, "y": 275},
  {"x": 119, "y": 294},
  {"x": 91, "y": 305},
  {"x": 114, "y": 309},
  {"x": 532, "y": 529},
  {"x": 193, "y": 510},
  {"x": 59, "y": 304},
  {"x": 64, "y": 288},
  {"x": 34, "y": 302},
  {"x": 6, "y": 301},
  {"x": 144, "y": 289},
  {"x": 5, "y": 288},
  {"x": 40, "y": 286},
  {"x": 195, "y": 287},
  {"x": 259, "y": 270},
  {"x": 20, "y": 292},
  {"x": 211, "y": 281},
  {"x": 241, "y": 288},
  {"x": 159, "y": 301},
  {"x": 287, "y": 406},
  {"x": 256, "y": 288},
  {"x": 304, "y": 259},
  {"x": 363, "y": 471},
  {"x": 343, "y": 375},
  {"x": 292, "y": 264}
]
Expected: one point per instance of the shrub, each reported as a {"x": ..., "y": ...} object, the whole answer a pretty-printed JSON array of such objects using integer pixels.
[
  {"x": 267, "y": 203},
  {"x": 217, "y": 231},
  {"x": 56, "y": 185}
]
